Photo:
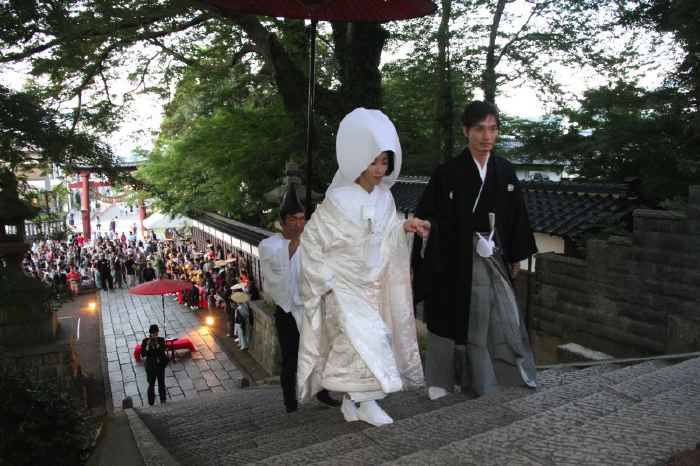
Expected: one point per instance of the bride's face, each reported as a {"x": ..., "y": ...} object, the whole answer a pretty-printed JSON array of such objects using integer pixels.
[{"x": 375, "y": 171}]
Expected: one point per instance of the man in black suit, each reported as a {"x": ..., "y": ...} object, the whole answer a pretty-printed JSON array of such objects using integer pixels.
[
  {"x": 154, "y": 352},
  {"x": 149, "y": 273},
  {"x": 105, "y": 270}
]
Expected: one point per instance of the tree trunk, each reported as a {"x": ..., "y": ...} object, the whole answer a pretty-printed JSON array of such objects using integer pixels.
[
  {"x": 489, "y": 82},
  {"x": 444, "y": 103},
  {"x": 359, "y": 50}
]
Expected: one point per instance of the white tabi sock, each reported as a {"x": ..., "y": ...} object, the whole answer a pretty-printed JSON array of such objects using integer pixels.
[
  {"x": 436, "y": 392},
  {"x": 371, "y": 413},
  {"x": 349, "y": 410}
]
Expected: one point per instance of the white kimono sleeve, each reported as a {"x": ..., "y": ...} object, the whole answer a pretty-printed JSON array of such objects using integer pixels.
[{"x": 316, "y": 275}]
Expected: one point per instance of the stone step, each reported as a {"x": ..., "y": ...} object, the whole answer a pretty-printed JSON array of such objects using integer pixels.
[
  {"x": 435, "y": 427},
  {"x": 607, "y": 375},
  {"x": 532, "y": 428},
  {"x": 247, "y": 428},
  {"x": 648, "y": 432},
  {"x": 499, "y": 445},
  {"x": 251, "y": 425}
]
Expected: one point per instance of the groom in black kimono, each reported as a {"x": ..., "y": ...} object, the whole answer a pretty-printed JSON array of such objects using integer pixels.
[{"x": 471, "y": 341}]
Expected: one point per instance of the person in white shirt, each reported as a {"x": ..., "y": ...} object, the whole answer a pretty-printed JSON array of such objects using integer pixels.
[{"x": 281, "y": 262}]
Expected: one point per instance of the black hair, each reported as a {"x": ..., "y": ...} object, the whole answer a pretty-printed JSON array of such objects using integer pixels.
[
  {"x": 477, "y": 111},
  {"x": 390, "y": 170}
]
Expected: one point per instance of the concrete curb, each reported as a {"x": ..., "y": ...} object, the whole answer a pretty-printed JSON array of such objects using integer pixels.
[
  {"x": 109, "y": 403},
  {"x": 151, "y": 450}
]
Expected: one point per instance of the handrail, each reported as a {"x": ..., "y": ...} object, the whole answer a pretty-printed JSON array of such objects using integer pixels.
[{"x": 600, "y": 362}]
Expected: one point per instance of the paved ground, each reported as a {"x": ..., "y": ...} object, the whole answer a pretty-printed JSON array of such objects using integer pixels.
[
  {"x": 85, "y": 320},
  {"x": 125, "y": 322}
]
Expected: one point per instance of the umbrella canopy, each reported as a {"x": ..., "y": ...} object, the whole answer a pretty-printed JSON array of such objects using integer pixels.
[
  {"x": 240, "y": 297},
  {"x": 333, "y": 10},
  {"x": 160, "y": 287}
]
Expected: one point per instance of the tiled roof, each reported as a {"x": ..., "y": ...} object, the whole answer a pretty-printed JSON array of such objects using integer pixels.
[
  {"x": 248, "y": 233},
  {"x": 566, "y": 209},
  {"x": 408, "y": 191}
]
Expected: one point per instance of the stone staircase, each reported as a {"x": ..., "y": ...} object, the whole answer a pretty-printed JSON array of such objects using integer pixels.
[{"x": 605, "y": 414}]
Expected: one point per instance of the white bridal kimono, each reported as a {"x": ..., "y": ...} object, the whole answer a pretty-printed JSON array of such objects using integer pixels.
[{"x": 358, "y": 331}]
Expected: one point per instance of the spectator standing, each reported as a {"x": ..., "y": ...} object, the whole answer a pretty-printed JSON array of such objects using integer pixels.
[{"x": 153, "y": 351}]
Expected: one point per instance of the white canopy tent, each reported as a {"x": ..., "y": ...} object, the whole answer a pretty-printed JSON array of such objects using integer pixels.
[{"x": 160, "y": 221}]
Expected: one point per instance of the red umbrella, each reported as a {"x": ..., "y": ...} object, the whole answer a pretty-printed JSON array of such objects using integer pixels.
[
  {"x": 161, "y": 287},
  {"x": 327, "y": 10},
  {"x": 333, "y": 10}
]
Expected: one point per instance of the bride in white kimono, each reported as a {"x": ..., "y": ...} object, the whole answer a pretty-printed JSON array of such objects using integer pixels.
[{"x": 358, "y": 332}]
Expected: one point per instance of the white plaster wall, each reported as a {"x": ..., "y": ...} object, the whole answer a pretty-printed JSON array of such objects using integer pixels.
[{"x": 545, "y": 243}]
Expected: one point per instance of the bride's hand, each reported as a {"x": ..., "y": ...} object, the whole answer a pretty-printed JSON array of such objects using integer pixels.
[{"x": 418, "y": 226}]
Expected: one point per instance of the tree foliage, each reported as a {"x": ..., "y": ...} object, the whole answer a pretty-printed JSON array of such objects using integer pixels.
[
  {"x": 527, "y": 42},
  {"x": 40, "y": 424},
  {"x": 82, "y": 46},
  {"x": 210, "y": 167},
  {"x": 33, "y": 136},
  {"x": 236, "y": 84},
  {"x": 620, "y": 133}
]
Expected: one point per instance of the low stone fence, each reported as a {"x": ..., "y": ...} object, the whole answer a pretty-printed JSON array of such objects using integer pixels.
[
  {"x": 631, "y": 297},
  {"x": 264, "y": 347},
  {"x": 55, "y": 362},
  {"x": 16, "y": 330}
]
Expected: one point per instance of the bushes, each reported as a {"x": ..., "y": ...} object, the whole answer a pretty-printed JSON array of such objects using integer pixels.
[{"x": 39, "y": 424}]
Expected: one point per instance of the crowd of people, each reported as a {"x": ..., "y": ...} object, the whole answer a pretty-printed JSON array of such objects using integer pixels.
[
  {"x": 110, "y": 261},
  {"x": 342, "y": 282}
]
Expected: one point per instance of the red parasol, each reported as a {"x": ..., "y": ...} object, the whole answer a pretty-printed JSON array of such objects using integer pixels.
[
  {"x": 161, "y": 287},
  {"x": 327, "y": 10},
  {"x": 332, "y": 10}
]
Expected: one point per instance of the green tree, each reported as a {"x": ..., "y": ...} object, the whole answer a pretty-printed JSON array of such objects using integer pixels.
[
  {"x": 224, "y": 163},
  {"x": 619, "y": 133},
  {"x": 80, "y": 46},
  {"x": 34, "y": 136},
  {"x": 526, "y": 42},
  {"x": 681, "y": 18}
]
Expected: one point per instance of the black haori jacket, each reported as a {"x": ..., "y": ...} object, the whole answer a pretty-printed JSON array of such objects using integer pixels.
[{"x": 442, "y": 277}]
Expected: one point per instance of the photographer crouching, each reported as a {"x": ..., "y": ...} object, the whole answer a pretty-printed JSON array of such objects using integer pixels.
[{"x": 154, "y": 352}]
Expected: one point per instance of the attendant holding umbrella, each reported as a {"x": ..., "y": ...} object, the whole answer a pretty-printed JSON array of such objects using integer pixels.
[{"x": 153, "y": 352}]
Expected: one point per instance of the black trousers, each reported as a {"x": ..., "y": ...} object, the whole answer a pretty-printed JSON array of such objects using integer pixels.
[
  {"x": 153, "y": 373},
  {"x": 288, "y": 336},
  {"x": 107, "y": 279}
]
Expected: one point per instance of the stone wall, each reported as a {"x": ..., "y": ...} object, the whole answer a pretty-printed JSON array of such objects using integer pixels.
[
  {"x": 55, "y": 362},
  {"x": 264, "y": 347},
  {"x": 21, "y": 330},
  {"x": 633, "y": 296}
]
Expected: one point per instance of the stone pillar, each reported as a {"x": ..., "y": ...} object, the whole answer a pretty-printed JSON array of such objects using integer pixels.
[
  {"x": 142, "y": 216},
  {"x": 85, "y": 204}
]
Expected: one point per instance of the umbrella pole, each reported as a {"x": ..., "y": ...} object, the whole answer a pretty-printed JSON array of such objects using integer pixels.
[
  {"x": 309, "y": 116},
  {"x": 165, "y": 332},
  {"x": 165, "y": 324}
]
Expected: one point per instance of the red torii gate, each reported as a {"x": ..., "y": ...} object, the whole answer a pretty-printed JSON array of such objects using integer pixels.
[{"x": 85, "y": 184}]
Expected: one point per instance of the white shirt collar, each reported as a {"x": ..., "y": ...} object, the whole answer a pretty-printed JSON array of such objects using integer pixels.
[{"x": 482, "y": 171}]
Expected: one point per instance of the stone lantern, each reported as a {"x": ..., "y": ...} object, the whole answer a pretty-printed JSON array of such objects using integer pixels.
[
  {"x": 13, "y": 213},
  {"x": 292, "y": 176}
]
